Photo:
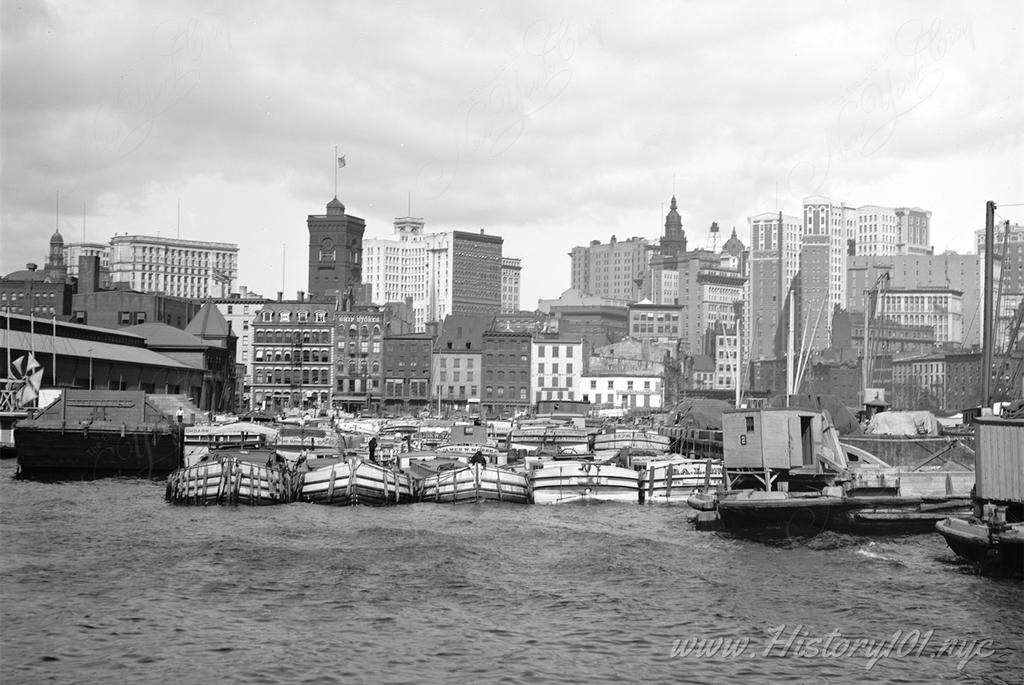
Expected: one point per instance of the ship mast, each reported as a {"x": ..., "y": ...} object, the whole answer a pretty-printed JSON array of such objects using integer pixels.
[{"x": 987, "y": 327}]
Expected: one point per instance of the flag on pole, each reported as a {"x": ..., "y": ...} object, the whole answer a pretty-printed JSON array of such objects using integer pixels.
[
  {"x": 30, "y": 371},
  {"x": 341, "y": 161}
]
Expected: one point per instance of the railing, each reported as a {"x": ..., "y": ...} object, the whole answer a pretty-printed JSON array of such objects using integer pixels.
[{"x": 9, "y": 395}]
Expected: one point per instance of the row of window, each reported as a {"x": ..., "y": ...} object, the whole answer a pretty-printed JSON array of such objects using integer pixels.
[
  {"x": 287, "y": 355},
  {"x": 554, "y": 368},
  {"x": 286, "y": 376},
  {"x": 291, "y": 337}
]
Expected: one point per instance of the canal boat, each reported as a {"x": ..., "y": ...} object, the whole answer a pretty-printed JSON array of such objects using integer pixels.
[
  {"x": 356, "y": 481},
  {"x": 475, "y": 483},
  {"x": 559, "y": 482},
  {"x": 253, "y": 477},
  {"x": 676, "y": 478}
]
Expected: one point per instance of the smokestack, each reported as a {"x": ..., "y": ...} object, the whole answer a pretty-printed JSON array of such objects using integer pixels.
[
  {"x": 301, "y": 296},
  {"x": 280, "y": 295},
  {"x": 88, "y": 274}
]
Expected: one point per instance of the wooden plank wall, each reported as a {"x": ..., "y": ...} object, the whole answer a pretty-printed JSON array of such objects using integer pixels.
[{"x": 999, "y": 465}]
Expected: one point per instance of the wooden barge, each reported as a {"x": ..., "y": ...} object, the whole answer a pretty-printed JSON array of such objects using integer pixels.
[
  {"x": 233, "y": 477},
  {"x": 95, "y": 433}
]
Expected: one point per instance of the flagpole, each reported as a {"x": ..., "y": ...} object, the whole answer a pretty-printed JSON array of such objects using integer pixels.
[
  {"x": 7, "y": 369},
  {"x": 54, "y": 340},
  {"x": 335, "y": 171}
]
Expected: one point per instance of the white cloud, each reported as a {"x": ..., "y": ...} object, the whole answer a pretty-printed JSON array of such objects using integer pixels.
[{"x": 550, "y": 124}]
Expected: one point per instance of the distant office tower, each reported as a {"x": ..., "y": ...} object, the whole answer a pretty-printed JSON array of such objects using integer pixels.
[
  {"x": 887, "y": 231},
  {"x": 710, "y": 287},
  {"x": 878, "y": 231},
  {"x": 510, "y": 271},
  {"x": 56, "y": 269},
  {"x": 443, "y": 273},
  {"x": 1008, "y": 277},
  {"x": 335, "y": 251},
  {"x": 463, "y": 274},
  {"x": 172, "y": 266},
  {"x": 829, "y": 232},
  {"x": 915, "y": 230},
  {"x": 395, "y": 267},
  {"x": 775, "y": 240},
  {"x": 951, "y": 270},
  {"x": 73, "y": 251},
  {"x": 614, "y": 270}
]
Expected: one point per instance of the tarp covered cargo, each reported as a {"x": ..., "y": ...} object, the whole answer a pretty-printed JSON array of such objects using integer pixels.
[
  {"x": 903, "y": 423},
  {"x": 699, "y": 413}
]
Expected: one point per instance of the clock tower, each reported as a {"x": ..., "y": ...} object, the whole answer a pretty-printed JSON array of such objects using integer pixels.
[{"x": 335, "y": 251}]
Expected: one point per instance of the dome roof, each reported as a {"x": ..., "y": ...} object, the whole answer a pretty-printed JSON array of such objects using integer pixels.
[
  {"x": 57, "y": 238},
  {"x": 733, "y": 245}
]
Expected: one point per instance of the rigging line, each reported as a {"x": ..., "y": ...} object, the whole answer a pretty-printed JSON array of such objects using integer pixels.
[{"x": 1010, "y": 204}]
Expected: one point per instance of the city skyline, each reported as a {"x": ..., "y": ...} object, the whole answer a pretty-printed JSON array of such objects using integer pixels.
[{"x": 542, "y": 124}]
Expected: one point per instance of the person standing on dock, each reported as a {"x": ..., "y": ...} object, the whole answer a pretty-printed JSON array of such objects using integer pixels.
[
  {"x": 373, "y": 449},
  {"x": 478, "y": 458},
  {"x": 180, "y": 414}
]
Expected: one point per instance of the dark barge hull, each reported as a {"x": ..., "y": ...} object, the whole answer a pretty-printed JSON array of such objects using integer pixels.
[
  {"x": 52, "y": 453},
  {"x": 98, "y": 433}
]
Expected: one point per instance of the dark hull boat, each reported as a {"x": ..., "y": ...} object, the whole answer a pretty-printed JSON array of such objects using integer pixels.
[
  {"x": 99, "y": 433},
  {"x": 975, "y": 540},
  {"x": 793, "y": 512}
]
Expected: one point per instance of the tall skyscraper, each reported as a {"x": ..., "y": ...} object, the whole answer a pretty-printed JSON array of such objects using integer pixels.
[
  {"x": 775, "y": 242},
  {"x": 395, "y": 267},
  {"x": 511, "y": 267},
  {"x": 335, "y": 251},
  {"x": 455, "y": 272},
  {"x": 829, "y": 233}
]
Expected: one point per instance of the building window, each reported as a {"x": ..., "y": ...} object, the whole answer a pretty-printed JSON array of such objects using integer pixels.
[{"x": 124, "y": 318}]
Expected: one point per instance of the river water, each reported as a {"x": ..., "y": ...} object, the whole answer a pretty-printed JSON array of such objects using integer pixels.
[{"x": 103, "y": 581}]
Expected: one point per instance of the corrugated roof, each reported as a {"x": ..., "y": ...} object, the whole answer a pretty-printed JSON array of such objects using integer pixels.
[{"x": 73, "y": 347}]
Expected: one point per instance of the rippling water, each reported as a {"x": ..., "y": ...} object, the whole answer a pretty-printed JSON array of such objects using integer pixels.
[{"x": 104, "y": 582}]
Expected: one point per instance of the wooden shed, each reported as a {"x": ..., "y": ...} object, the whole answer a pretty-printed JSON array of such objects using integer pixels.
[
  {"x": 999, "y": 460},
  {"x": 786, "y": 442}
]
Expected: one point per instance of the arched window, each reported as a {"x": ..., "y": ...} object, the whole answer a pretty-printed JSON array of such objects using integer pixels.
[
  {"x": 364, "y": 331},
  {"x": 375, "y": 368},
  {"x": 362, "y": 368},
  {"x": 305, "y": 355},
  {"x": 314, "y": 337},
  {"x": 259, "y": 376},
  {"x": 352, "y": 367},
  {"x": 376, "y": 331},
  {"x": 352, "y": 331},
  {"x": 261, "y": 336},
  {"x": 279, "y": 336},
  {"x": 278, "y": 375},
  {"x": 287, "y": 355}
]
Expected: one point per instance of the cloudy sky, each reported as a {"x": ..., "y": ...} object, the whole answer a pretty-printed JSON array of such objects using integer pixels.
[{"x": 550, "y": 123}]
